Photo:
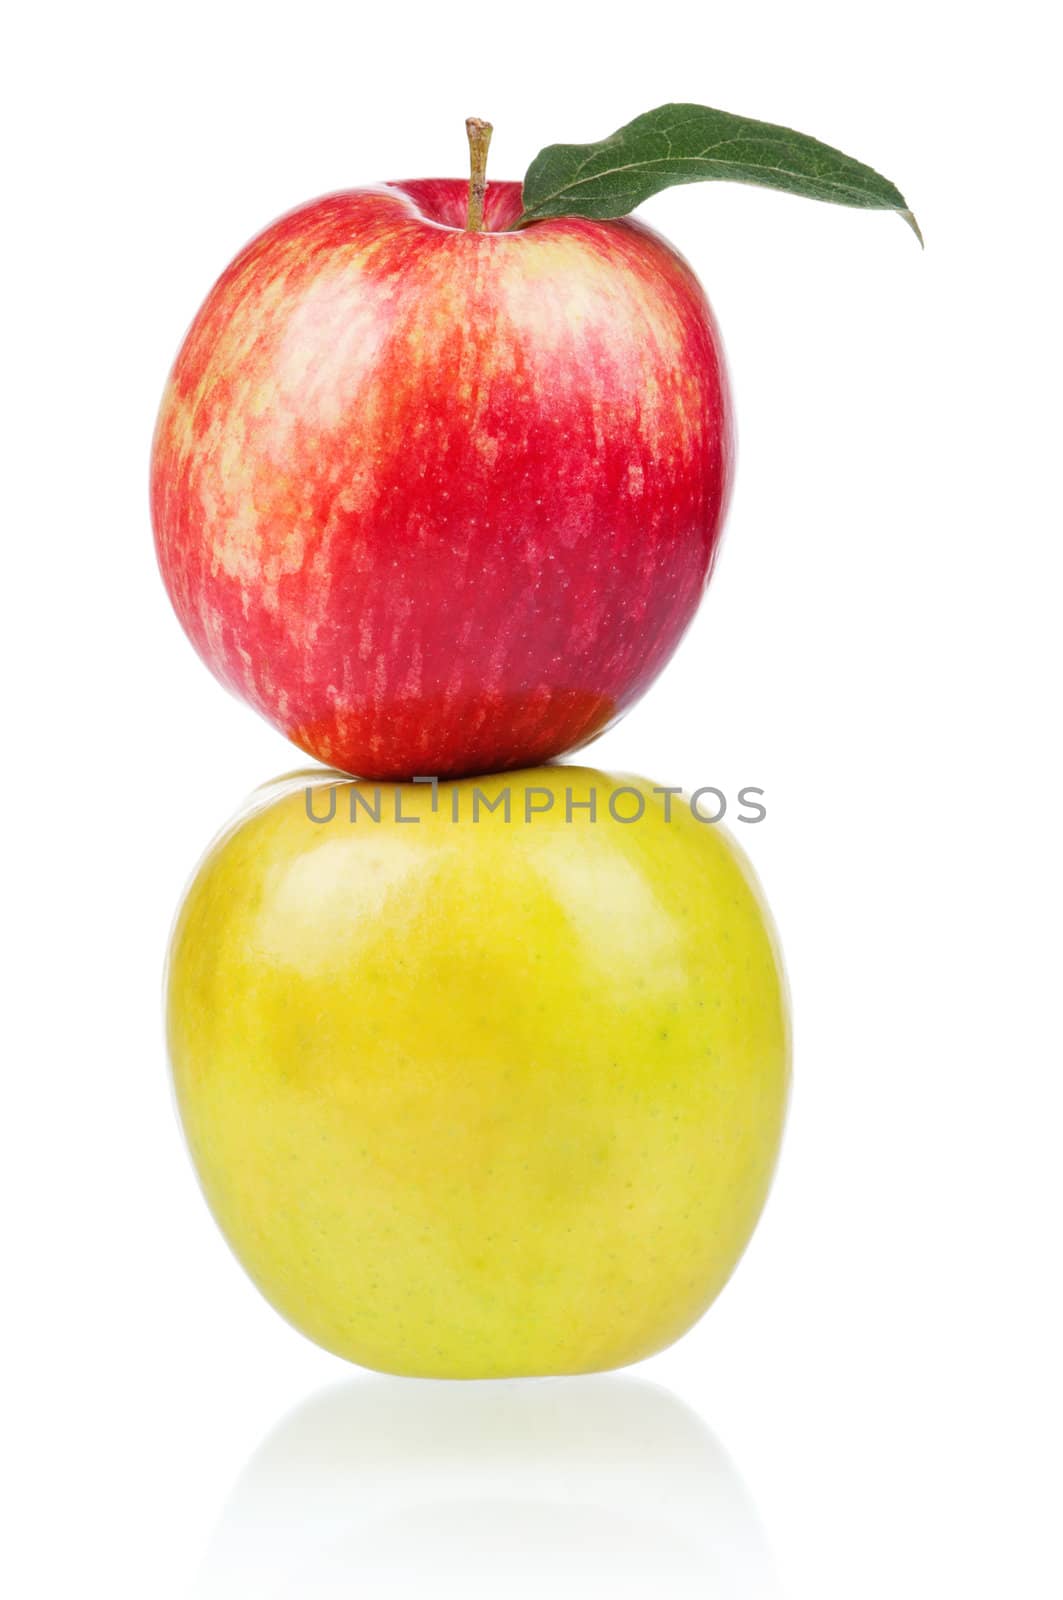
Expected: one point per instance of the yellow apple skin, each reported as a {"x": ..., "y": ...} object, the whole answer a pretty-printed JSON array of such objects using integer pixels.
[{"x": 477, "y": 1099}]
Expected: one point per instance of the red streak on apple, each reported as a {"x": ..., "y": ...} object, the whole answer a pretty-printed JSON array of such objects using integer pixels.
[{"x": 438, "y": 501}]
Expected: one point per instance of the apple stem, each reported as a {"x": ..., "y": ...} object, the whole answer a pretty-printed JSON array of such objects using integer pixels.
[{"x": 479, "y": 139}]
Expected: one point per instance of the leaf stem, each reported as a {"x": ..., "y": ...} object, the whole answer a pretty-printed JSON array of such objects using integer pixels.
[{"x": 479, "y": 133}]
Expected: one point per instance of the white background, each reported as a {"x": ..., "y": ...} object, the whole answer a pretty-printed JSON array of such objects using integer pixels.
[{"x": 873, "y": 1407}]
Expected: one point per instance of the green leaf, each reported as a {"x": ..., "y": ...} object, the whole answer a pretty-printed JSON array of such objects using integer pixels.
[{"x": 694, "y": 144}]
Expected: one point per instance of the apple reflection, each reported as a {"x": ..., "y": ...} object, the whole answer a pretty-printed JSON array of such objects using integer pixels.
[{"x": 385, "y": 1486}]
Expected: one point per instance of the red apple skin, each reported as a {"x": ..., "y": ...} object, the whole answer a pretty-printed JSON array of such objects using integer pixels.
[{"x": 442, "y": 502}]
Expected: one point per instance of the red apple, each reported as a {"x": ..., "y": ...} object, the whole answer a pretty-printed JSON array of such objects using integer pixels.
[{"x": 436, "y": 500}]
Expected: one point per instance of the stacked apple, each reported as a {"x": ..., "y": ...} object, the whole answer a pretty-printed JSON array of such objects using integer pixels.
[{"x": 437, "y": 484}]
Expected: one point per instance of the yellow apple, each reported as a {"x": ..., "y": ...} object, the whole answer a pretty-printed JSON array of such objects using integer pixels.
[{"x": 484, "y": 1079}]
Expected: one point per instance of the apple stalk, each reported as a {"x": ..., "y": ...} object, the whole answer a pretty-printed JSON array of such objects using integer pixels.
[{"x": 479, "y": 133}]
